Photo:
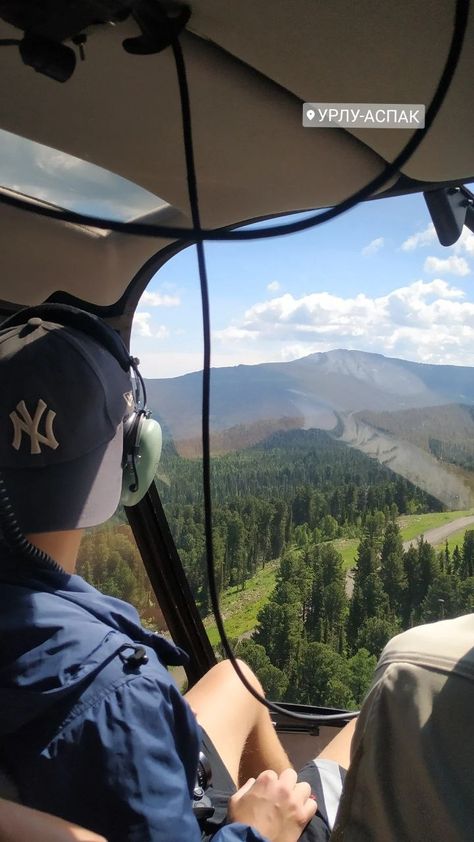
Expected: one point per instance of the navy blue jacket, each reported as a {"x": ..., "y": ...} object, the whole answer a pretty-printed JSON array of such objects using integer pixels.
[{"x": 87, "y": 735}]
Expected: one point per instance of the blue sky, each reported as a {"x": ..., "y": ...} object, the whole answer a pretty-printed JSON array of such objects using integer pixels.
[{"x": 375, "y": 279}]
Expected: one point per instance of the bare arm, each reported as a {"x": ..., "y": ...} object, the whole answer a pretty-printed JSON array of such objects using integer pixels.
[{"x": 18, "y": 823}]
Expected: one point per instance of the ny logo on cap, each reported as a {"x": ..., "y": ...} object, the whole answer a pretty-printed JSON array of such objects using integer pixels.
[{"x": 30, "y": 426}]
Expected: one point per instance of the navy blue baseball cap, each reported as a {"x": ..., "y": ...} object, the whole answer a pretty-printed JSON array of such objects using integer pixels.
[{"x": 64, "y": 397}]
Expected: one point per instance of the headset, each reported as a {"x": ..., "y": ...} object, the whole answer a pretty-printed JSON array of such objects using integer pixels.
[{"x": 142, "y": 435}]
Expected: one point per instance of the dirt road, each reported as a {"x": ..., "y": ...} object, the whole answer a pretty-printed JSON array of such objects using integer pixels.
[
  {"x": 432, "y": 536},
  {"x": 440, "y": 533}
]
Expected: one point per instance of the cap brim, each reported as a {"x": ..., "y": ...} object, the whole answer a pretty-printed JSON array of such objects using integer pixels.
[{"x": 72, "y": 495}]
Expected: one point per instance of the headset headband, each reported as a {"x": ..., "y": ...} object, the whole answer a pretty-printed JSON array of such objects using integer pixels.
[{"x": 88, "y": 323}]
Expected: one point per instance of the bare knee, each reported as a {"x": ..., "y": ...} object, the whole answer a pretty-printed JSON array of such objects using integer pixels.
[
  {"x": 251, "y": 677},
  {"x": 226, "y": 671}
]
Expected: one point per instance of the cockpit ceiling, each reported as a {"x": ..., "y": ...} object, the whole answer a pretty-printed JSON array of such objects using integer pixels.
[{"x": 250, "y": 66}]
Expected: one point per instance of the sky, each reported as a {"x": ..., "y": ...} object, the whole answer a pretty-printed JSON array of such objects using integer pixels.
[
  {"x": 69, "y": 182},
  {"x": 375, "y": 279}
]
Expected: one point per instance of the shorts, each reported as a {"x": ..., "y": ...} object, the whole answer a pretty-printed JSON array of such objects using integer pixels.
[{"x": 325, "y": 777}]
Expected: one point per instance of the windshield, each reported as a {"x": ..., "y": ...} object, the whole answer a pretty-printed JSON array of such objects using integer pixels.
[
  {"x": 342, "y": 438},
  {"x": 342, "y": 422},
  {"x": 49, "y": 175}
]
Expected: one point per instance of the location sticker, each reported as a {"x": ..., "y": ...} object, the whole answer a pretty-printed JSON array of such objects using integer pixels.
[{"x": 367, "y": 115}]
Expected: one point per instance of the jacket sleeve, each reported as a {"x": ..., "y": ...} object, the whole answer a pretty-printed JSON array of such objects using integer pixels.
[
  {"x": 237, "y": 832},
  {"x": 134, "y": 741}
]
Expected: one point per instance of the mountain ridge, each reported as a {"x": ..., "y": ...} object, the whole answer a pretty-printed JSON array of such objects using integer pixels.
[
  {"x": 359, "y": 398},
  {"x": 314, "y": 388}
]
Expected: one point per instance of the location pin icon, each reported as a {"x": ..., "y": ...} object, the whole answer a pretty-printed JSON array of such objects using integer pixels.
[{"x": 310, "y": 114}]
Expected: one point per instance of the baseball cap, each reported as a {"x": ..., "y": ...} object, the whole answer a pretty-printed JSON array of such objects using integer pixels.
[{"x": 64, "y": 398}]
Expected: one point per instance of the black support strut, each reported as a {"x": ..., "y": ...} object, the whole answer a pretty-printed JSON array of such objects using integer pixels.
[{"x": 170, "y": 585}]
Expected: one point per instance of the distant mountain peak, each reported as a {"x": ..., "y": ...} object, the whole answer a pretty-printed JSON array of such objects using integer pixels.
[{"x": 315, "y": 389}]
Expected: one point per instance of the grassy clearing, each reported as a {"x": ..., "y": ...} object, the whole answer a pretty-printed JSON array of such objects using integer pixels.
[
  {"x": 348, "y": 549},
  {"x": 413, "y": 525},
  {"x": 240, "y": 607}
]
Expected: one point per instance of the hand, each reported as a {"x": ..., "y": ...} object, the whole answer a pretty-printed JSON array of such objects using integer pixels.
[{"x": 277, "y": 806}]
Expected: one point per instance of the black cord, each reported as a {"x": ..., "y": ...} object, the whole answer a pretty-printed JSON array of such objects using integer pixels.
[
  {"x": 443, "y": 86},
  {"x": 9, "y": 42},
  {"x": 140, "y": 390},
  {"x": 206, "y": 461},
  {"x": 197, "y": 233}
]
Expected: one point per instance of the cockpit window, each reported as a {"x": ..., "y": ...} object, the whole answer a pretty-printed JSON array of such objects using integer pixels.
[
  {"x": 49, "y": 175},
  {"x": 342, "y": 439}
]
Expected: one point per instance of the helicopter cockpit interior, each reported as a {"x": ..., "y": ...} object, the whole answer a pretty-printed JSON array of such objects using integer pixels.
[{"x": 98, "y": 123}]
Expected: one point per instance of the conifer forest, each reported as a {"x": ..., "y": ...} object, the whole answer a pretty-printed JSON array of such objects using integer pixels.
[{"x": 321, "y": 629}]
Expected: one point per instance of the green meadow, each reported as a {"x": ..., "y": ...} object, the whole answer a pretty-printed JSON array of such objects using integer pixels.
[{"x": 240, "y": 606}]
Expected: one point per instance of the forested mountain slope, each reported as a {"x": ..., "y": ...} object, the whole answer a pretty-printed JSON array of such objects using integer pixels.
[{"x": 406, "y": 415}]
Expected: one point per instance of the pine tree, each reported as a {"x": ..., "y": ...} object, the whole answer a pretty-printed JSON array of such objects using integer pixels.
[
  {"x": 447, "y": 558},
  {"x": 421, "y": 568},
  {"x": 392, "y": 571},
  {"x": 456, "y": 561},
  {"x": 368, "y": 597},
  {"x": 273, "y": 680},
  {"x": 375, "y": 632},
  {"x": 277, "y": 529},
  {"x": 428, "y": 566},
  {"x": 280, "y": 632},
  {"x": 322, "y": 677},
  {"x": 442, "y": 599},
  {"x": 362, "y": 666},
  {"x": 326, "y": 616},
  {"x": 467, "y": 568}
]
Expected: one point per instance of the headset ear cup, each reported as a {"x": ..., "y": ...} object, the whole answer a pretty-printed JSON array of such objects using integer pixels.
[{"x": 149, "y": 444}]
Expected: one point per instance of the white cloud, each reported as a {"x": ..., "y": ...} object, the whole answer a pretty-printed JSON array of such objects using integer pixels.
[
  {"x": 373, "y": 247},
  {"x": 233, "y": 332},
  {"x": 166, "y": 364},
  {"x": 52, "y": 160},
  {"x": 421, "y": 238},
  {"x": 428, "y": 236},
  {"x": 296, "y": 350},
  {"x": 465, "y": 242},
  {"x": 143, "y": 327},
  {"x": 141, "y": 324},
  {"x": 173, "y": 364},
  {"x": 274, "y": 286},
  {"x": 424, "y": 321},
  {"x": 64, "y": 180},
  {"x": 453, "y": 265},
  {"x": 157, "y": 299}
]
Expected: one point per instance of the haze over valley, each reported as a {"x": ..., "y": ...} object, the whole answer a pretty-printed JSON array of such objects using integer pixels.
[{"x": 417, "y": 419}]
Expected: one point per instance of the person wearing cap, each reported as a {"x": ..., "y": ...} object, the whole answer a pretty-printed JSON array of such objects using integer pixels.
[{"x": 93, "y": 728}]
